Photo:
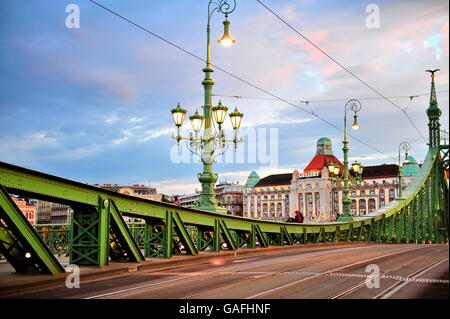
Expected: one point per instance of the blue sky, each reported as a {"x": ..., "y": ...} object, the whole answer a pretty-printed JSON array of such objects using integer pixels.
[{"x": 92, "y": 104}]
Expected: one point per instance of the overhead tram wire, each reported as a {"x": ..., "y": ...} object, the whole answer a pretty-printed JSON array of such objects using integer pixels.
[
  {"x": 344, "y": 68},
  {"x": 235, "y": 76},
  {"x": 326, "y": 100}
]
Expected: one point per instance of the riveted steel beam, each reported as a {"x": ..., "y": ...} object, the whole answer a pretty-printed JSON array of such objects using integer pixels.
[
  {"x": 123, "y": 246},
  {"x": 20, "y": 243}
]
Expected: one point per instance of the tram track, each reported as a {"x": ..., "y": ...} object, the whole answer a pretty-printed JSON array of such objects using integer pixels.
[
  {"x": 362, "y": 283},
  {"x": 195, "y": 275},
  {"x": 385, "y": 294}
]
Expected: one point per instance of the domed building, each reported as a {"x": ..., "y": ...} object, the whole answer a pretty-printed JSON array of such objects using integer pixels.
[
  {"x": 252, "y": 179},
  {"x": 312, "y": 193}
]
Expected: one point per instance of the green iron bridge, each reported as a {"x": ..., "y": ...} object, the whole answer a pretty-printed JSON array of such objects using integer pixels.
[{"x": 98, "y": 233}]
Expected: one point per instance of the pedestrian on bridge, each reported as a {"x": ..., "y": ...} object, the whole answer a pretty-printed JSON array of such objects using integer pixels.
[{"x": 298, "y": 217}]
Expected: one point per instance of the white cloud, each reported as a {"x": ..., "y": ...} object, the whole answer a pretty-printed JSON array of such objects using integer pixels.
[
  {"x": 151, "y": 134},
  {"x": 113, "y": 118},
  {"x": 119, "y": 141},
  {"x": 135, "y": 120}
]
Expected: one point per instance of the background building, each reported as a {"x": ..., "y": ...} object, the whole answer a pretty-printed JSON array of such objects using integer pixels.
[
  {"x": 312, "y": 193},
  {"x": 268, "y": 198},
  {"x": 137, "y": 190},
  {"x": 229, "y": 194},
  {"x": 44, "y": 212},
  {"x": 28, "y": 209}
]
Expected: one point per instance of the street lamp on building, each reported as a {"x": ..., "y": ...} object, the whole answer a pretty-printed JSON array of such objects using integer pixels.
[
  {"x": 355, "y": 106},
  {"x": 212, "y": 142},
  {"x": 405, "y": 146}
]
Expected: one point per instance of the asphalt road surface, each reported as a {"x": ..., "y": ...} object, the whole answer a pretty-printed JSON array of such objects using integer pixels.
[{"x": 405, "y": 271}]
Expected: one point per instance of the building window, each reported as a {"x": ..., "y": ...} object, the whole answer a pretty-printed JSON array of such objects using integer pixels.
[
  {"x": 272, "y": 207},
  {"x": 372, "y": 192},
  {"x": 317, "y": 198},
  {"x": 353, "y": 193},
  {"x": 391, "y": 195},
  {"x": 372, "y": 205},
  {"x": 264, "y": 208},
  {"x": 362, "y": 193},
  {"x": 279, "y": 206},
  {"x": 362, "y": 207},
  {"x": 353, "y": 207},
  {"x": 300, "y": 203}
]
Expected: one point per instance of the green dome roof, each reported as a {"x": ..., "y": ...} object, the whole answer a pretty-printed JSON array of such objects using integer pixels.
[
  {"x": 411, "y": 159},
  {"x": 252, "y": 179},
  {"x": 323, "y": 140},
  {"x": 410, "y": 167}
]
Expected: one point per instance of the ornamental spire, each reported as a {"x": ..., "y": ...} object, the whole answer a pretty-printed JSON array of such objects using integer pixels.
[
  {"x": 433, "y": 113},
  {"x": 433, "y": 100}
]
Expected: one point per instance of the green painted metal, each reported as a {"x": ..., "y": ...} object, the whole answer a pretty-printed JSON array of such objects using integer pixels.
[
  {"x": 355, "y": 106},
  {"x": 20, "y": 243},
  {"x": 257, "y": 233},
  {"x": 320, "y": 234},
  {"x": 205, "y": 238},
  {"x": 122, "y": 242},
  {"x": 285, "y": 235},
  {"x": 168, "y": 235},
  {"x": 87, "y": 234},
  {"x": 154, "y": 239},
  {"x": 361, "y": 230},
  {"x": 208, "y": 178},
  {"x": 336, "y": 234},
  {"x": 55, "y": 237},
  {"x": 227, "y": 236},
  {"x": 183, "y": 235}
]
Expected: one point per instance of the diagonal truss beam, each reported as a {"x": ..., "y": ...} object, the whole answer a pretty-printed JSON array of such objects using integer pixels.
[{"x": 19, "y": 242}]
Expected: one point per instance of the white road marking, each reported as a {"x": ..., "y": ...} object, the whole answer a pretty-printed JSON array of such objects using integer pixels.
[
  {"x": 321, "y": 274},
  {"x": 244, "y": 260},
  {"x": 255, "y": 265},
  {"x": 414, "y": 278}
]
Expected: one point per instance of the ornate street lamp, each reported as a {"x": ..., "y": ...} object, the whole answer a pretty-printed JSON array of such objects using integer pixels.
[
  {"x": 337, "y": 177},
  {"x": 355, "y": 106},
  {"x": 212, "y": 142},
  {"x": 405, "y": 146}
]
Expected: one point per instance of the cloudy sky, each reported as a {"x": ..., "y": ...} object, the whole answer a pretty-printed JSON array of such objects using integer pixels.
[{"x": 93, "y": 104}]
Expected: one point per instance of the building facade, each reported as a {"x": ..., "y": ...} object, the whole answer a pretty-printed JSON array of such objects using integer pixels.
[
  {"x": 137, "y": 190},
  {"x": 311, "y": 191},
  {"x": 268, "y": 198},
  {"x": 230, "y": 196},
  {"x": 28, "y": 209}
]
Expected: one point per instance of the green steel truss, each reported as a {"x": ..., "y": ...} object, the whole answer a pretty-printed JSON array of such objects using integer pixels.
[
  {"x": 99, "y": 235},
  {"x": 21, "y": 244}
]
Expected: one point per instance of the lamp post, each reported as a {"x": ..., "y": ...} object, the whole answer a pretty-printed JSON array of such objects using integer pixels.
[
  {"x": 337, "y": 177},
  {"x": 212, "y": 142},
  {"x": 355, "y": 106},
  {"x": 405, "y": 147}
]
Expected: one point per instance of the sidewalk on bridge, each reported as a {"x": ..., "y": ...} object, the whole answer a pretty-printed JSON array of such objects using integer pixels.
[{"x": 12, "y": 284}]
